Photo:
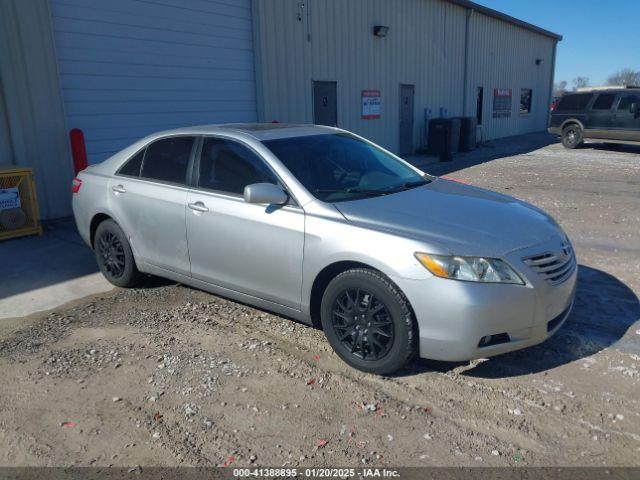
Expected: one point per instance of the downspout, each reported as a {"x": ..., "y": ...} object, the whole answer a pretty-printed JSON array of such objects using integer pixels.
[
  {"x": 552, "y": 77},
  {"x": 465, "y": 93}
]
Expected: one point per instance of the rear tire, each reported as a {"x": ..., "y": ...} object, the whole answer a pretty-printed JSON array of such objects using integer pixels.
[
  {"x": 368, "y": 321},
  {"x": 114, "y": 255},
  {"x": 572, "y": 136}
]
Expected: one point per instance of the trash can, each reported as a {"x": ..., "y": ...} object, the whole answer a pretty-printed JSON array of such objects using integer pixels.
[
  {"x": 444, "y": 137},
  {"x": 468, "y": 127}
]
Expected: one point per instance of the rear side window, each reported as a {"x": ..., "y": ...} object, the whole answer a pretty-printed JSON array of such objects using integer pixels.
[
  {"x": 604, "y": 101},
  {"x": 228, "y": 166},
  {"x": 167, "y": 160},
  {"x": 577, "y": 101},
  {"x": 627, "y": 100},
  {"x": 132, "y": 167}
]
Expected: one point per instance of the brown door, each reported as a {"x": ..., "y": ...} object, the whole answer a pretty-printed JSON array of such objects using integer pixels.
[{"x": 407, "y": 93}]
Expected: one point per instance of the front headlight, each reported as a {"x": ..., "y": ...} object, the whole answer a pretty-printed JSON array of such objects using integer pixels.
[{"x": 470, "y": 269}]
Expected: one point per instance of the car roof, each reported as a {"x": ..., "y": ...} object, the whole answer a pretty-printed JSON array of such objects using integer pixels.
[
  {"x": 260, "y": 131},
  {"x": 609, "y": 89}
]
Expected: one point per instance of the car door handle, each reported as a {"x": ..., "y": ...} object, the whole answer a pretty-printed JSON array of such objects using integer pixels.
[
  {"x": 119, "y": 189},
  {"x": 198, "y": 207}
]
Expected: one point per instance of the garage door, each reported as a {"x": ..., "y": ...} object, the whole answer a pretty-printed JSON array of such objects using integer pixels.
[{"x": 132, "y": 67}]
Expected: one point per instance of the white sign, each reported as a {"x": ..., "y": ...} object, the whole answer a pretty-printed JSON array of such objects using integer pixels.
[
  {"x": 9, "y": 198},
  {"x": 370, "y": 104}
]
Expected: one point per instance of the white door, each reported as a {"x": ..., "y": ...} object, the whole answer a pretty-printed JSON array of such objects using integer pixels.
[{"x": 129, "y": 68}]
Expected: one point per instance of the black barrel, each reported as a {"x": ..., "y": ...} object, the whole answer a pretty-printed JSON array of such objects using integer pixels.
[
  {"x": 444, "y": 137},
  {"x": 467, "y": 133}
]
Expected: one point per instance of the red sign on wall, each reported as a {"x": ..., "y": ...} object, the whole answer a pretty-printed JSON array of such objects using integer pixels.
[
  {"x": 371, "y": 104},
  {"x": 502, "y": 102}
]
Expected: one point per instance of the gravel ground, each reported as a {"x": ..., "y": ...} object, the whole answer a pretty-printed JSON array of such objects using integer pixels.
[{"x": 168, "y": 375}]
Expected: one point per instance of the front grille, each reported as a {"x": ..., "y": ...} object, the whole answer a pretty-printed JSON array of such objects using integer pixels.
[{"x": 553, "y": 267}]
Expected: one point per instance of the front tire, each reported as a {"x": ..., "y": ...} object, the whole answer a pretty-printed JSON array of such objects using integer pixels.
[
  {"x": 572, "y": 136},
  {"x": 368, "y": 321},
  {"x": 114, "y": 255}
]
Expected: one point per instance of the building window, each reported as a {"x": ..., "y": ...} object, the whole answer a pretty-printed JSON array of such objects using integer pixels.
[{"x": 525, "y": 101}]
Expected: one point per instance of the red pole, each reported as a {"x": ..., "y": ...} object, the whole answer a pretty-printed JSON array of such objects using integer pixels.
[{"x": 78, "y": 150}]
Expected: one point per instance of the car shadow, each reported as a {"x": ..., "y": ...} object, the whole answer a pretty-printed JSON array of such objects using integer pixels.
[
  {"x": 604, "y": 310},
  {"x": 613, "y": 147}
]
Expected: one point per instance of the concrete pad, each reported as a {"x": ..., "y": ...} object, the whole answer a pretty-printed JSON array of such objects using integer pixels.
[{"x": 41, "y": 273}]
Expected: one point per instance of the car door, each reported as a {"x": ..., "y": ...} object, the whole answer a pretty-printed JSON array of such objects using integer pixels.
[
  {"x": 249, "y": 248},
  {"x": 599, "y": 123},
  {"x": 627, "y": 123},
  {"x": 148, "y": 197}
]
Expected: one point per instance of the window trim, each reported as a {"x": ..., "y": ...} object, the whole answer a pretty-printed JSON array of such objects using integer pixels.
[
  {"x": 195, "y": 174},
  {"x": 530, "y": 111},
  {"x": 156, "y": 181}
]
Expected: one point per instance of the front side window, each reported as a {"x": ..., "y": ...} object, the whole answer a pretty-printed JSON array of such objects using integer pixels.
[
  {"x": 338, "y": 167},
  {"x": 525, "y": 100},
  {"x": 228, "y": 166},
  {"x": 626, "y": 101},
  {"x": 167, "y": 160},
  {"x": 604, "y": 101}
]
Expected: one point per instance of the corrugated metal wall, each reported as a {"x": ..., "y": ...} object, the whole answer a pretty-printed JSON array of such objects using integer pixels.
[
  {"x": 502, "y": 55},
  {"x": 332, "y": 40},
  {"x": 130, "y": 67},
  {"x": 33, "y": 123}
]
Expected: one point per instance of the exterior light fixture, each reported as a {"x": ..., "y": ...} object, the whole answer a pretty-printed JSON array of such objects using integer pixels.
[{"x": 380, "y": 31}]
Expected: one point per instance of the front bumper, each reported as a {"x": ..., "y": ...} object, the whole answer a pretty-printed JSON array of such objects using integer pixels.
[{"x": 453, "y": 316}]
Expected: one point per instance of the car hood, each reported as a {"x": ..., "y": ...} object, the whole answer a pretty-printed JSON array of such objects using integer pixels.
[{"x": 455, "y": 218}]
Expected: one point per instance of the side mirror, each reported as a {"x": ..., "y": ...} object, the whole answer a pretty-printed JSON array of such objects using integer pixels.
[
  {"x": 266, "y": 193},
  {"x": 635, "y": 109}
]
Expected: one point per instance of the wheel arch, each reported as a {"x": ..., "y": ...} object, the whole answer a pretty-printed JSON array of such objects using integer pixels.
[
  {"x": 328, "y": 273},
  {"x": 96, "y": 220},
  {"x": 571, "y": 121}
]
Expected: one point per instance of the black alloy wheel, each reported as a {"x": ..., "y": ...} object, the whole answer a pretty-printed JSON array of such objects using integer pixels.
[
  {"x": 362, "y": 324},
  {"x": 111, "y": 253}
]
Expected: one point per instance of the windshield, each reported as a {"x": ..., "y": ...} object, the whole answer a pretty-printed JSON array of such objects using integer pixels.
[{"x": 338, "y": 167}]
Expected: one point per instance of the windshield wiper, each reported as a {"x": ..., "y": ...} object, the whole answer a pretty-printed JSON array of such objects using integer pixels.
[
  {"x": 364, "y": 191},
  {"x": 407, "y": 186}
]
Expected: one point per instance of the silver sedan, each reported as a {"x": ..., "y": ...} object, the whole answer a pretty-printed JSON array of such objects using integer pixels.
[{"x": 325, "y": 227}]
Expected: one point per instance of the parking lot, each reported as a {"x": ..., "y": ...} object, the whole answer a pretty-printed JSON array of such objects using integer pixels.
[{"x": 169, "y": 375}]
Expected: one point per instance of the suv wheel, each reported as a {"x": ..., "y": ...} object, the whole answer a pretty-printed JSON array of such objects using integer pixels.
[
  {"x": 572, "y": 136},
  {"x": 114, "y": 255},
  {"x": 368, "y": 321}
]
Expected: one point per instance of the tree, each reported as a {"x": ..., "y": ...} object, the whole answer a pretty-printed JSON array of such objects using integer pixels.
[
  {"x": 580, "y": 82},
  {"x": 559, "y": 88},
  {"x": 626, "y": 76}
]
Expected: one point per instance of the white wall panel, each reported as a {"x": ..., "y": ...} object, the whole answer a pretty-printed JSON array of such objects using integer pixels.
[
  {"x": 132, "y": 67},
  {"x": 425, "y": 47}
]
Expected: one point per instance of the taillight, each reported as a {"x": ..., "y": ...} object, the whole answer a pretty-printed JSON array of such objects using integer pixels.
[{"x": 75, "y": 185}]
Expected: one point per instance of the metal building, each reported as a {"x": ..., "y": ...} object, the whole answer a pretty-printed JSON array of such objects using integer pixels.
[
  {"x": 322, "y": 60},
  {"x": 121, "y": 69}
]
